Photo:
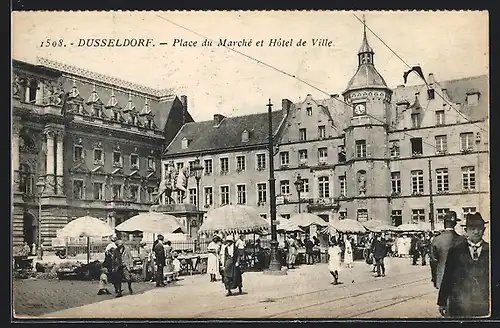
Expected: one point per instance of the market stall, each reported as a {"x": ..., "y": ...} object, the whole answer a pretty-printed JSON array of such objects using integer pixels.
[{"x": 348, "y": 227}]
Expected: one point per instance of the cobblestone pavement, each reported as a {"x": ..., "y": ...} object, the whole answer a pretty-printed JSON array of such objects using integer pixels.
[{"x": 306, "y": 292}]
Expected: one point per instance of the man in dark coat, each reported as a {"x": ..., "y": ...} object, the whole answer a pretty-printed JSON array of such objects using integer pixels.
[
  {"x": 465, "y": 287},
  {"x": 230, "y": 258},
  {"x": 441, "y": 245},
  {"x": 379, "y": 251},
  {"x": 308, "y": 243},
  {"x": 159, "y": 251},
  {"x": 122, "y": 264},
  {"x": 415, "y": 247}
]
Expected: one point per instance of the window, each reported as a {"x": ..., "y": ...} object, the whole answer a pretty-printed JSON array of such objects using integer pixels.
[
  {"x": 98, "y": 191},
  {"x": 98, "y": 156},
  {"x": 440, "y": 214},
  {"x": 284, "y": 158},
  {"x": 362, "y": 214},
  {"x": 77, "y": 153},
  {"x": 149, "y": 123},
  {"x": 134, "y": 194},
  {"x": 77, "y": 189},
  {"x": 323, "y": 155},
  {"x": 304, "y": 187},
  {"x": 473, "y": 99},
  {"x": 241, "y": 191},
  {"x": 395, "y": 151},
  {"x": 468, "y": 178},
  {"x": 360, "y": 148},
  {"x": 192, "y": 196},
  {"x": 191, "y": 165},
  {"x": 224, "y": 195},
  {"x": 285, "y": 187},
  {"x": 116, "y": 116},
  {"x": 343, "y": 215},
  {"x": 467, "y": 210},
  {"x": 417, "y": 216},
  {"x": 396, "y": 183},
  {"x": 117, "y": 158},
  {"x": 441, "y": 144},
  {"x": 179, "y": 166},
  {"x": 224, "y": 165},
  {"x": 184, "y": 143},
  {"x": 440, "y": 117},
  {"x": 134, "y": 161},
  {"x": 302, "y": 134},
  {"x": 324, "y": 187},
  {"x": 416, "y": 146},
  {"x": 397, "y": 217},
  {"x": 322, "y": 132},
  {"x": 341, "y": 154},
  {"x": 151, "y": 164},
  {"x": 134, "y": 119},
  {"x": 117, "y": 191},
  {"x": 430, "y": 94},
  {"x": 262, "y": 193},
  {"x": 343, "y": 186},
  {"x": 97, "y": 112},
  {"x": 261, "y": 162},
  {"x": 264, "y": 216},
  {"x": 26, "y": 182},
  {"x": 240, "y": 163},
  {"x": 466, "y": 141},
  {"x": 303, "y": 156},
  {"x": 32, "y": 91},
  {"x": 244, "y": 136},
  {"x": 309, "y": 111},
  {"x": 208, "y": 166},
  {"x": 417, "y": 182},
  {"x": 415, "y": 121},
  {"x": 209, "y": 196},
  {"x": 442, "y": 180}
]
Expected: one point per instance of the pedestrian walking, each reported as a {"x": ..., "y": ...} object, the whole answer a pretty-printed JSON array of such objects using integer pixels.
[
  {"x": 169, "y": 266},
  {"x": 308, "y": 243},
  {"x": 292, "y": 247},
  {"x": 416, "y": 246},
  {"x": 213, "y": 259},
  {"x": 122, "y": 263},
  {"x": 379, "y": 251},
  {"x": 348, "y": 253},
  {"x": 231, "y": 264},
  {"x": 440, "y": 246},
  {"x": 425, "y": 246},
  {"x": 160, "y": 261},
  {"x": 334, "y": 260},
  {"x": 465, "y": 286}
]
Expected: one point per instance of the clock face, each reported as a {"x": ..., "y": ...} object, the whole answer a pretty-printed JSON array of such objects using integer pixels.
[{"x": 359, "y": 109}]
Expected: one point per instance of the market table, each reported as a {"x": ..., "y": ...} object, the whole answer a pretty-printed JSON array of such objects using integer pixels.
[{"x": 191, "y": 263}]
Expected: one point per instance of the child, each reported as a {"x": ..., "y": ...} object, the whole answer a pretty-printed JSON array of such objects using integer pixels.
[
  {"x": 334, "y": 259},
  {"x": 177, "y": 267},
  {"x": 103, "y": 280}
]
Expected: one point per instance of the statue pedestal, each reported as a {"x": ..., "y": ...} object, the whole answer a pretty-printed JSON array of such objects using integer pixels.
[{"x": 187, "y": 214}]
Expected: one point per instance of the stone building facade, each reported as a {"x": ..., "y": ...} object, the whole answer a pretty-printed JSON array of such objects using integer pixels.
[
  {"x": 98, "y": 155},
  {"x": 362, "y": 155}
]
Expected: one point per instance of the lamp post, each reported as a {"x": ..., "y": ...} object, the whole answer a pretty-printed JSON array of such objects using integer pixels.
[
  {"x": 298, "y": 185},
  {"x": 274, "y": 264},
  {"x": 198, "y": 170},
  {"x": 40, "y": 187}
]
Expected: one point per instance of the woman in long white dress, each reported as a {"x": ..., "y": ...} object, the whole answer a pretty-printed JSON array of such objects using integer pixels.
[
  {"x": 213, "y": 259},
  {"x": 348, "y": 254},
  {"x": 334, "y": 260}
]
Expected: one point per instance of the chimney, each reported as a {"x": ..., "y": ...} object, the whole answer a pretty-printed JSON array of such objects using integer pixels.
[
  {"x": 184, "y": 108},
  {"x": 430, "y": 79},
  {"x": 218, "y": 119},
  {"x": 286, "y": 104}
]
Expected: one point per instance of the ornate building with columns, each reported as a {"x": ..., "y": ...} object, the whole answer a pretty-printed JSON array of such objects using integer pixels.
[
  {"x": 372, "y": 152},
  {"x": 98, "y": 156}
]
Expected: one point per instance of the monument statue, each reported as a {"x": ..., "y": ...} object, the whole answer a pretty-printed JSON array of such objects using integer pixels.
[
  {"x": 362, "y": 183},
  {"x": 174, "y": 181}
]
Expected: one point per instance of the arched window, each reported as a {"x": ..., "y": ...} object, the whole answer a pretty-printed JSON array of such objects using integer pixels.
[
  {"x": 25, "y": 179},
  {"x": 32, "y": 90},
  {"x": 324, "y": 187}
]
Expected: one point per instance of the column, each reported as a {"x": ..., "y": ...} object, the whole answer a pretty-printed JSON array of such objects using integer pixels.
[
  {"x": 60, "y": 163},
  {"x": 16, "y": 129},
  {"x": 49, "y": 179}
]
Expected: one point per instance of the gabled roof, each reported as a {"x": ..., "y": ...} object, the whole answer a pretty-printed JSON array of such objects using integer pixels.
[{"x": 204, "y": 136}]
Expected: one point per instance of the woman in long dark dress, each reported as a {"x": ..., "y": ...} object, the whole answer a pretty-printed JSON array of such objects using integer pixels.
[{"x": 230, "y": 256}]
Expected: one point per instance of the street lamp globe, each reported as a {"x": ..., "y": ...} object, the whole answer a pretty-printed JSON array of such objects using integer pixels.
[
  {"x": 298, "y": 184},
  {"x": 197, "y": 168}
]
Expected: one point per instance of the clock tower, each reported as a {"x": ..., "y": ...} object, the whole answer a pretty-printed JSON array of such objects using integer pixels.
[{"x": 366, "y": 142}]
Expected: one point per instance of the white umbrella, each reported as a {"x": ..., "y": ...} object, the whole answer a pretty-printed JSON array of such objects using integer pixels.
[
  {"x": 377, "y": 225},
  {"x": 307, "y": 219},
  {"x": 86, "y": 226},
  {"x": 409, "y": 227},
  {"x": 347, "y": 226},
  {"x": 231, "y": 219},
  {"x": 153, "y": 222}
]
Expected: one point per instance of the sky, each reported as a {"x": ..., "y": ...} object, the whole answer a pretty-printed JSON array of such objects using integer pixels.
[{"x": 217, "y": 80}]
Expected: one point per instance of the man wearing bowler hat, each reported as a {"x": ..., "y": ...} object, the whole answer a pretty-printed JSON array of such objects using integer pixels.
[
  {"x": 441, "y": 245},
  {"x": 465, "y": 286}
]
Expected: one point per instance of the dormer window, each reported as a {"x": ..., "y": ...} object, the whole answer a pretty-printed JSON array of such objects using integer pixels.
[
  {"x": 134, "y": 120},
  {"x": 116, "y": 116},
  {"x": 97, "y": 112},
  {"x": 430, "y": 94},
  {"x": 184, "y": 143},
  {"x": 149, "y": 123},
  {"x": 309, "y": 111},
  {"x": 245, "y": 136},
  {"x": 473, "y": 99}
]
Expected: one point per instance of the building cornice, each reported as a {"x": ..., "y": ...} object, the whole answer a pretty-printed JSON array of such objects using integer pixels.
[{"x": 436, "y": 126}]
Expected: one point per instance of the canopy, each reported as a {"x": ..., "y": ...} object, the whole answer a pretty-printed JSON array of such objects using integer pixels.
[
  {"x": 305, "y": 220},
  {"x": 409, "y": 227},
  {"x": 287, "y": 225},
  {"x": 86, "y": 226},
  {"x": 377, "y": 225},
  {"x": 154, "y": 222},
  {"x": 230, "y": 219},
  {"x": 347, "y": 226}
]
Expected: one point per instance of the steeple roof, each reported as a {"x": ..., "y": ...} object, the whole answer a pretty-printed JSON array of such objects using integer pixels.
[{"x": 365, "y": 47}]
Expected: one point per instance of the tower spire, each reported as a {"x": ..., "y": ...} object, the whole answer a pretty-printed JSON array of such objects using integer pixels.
[{"x": 365, "y": 53}]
